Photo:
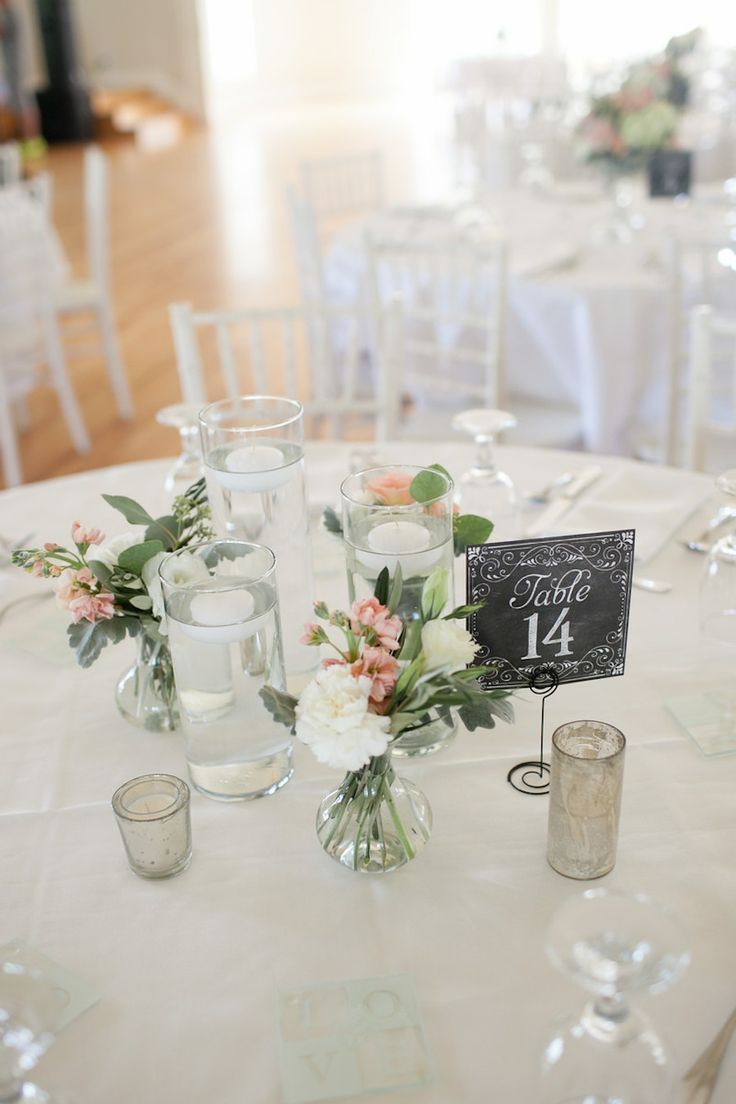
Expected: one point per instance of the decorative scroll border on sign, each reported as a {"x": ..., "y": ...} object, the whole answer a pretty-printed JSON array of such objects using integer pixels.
[{"x": 608, "y": 553}]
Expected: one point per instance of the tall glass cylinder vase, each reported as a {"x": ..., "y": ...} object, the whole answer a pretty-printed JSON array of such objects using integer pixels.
[
  {"x": 253, "y": 449},
  {"x": 223, "y": 618},
  {"x": 385, "y": 526}
]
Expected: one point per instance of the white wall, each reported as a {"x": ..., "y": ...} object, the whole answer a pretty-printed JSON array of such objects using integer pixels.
[{"x": 148, "y": 43}]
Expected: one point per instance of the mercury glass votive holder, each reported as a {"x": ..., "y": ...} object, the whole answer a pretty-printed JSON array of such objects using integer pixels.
[
  {"x": 586, "y": 776},
  {"x": 152, "y": 812}
]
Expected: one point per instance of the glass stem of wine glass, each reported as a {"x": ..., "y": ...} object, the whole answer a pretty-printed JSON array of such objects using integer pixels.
[
  {"x": 484, "y": 454},
  {"x": 189, "y": 436}
]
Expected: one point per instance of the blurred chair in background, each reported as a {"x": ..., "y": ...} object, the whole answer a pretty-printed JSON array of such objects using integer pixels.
[
  {"x": 710, "y": 415},
  {"x": 11, "y": 163},
  {"x": 29, "y": 332},
  {"x": 91, "y": 298},
  {"x": 702, "y": 271},
  {"x": 310, "y": 353}
]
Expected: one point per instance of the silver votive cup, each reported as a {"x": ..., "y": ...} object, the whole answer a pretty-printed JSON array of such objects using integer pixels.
[
  {"x": 153, "y": 817},
  {"x": 586, "y": 775}
]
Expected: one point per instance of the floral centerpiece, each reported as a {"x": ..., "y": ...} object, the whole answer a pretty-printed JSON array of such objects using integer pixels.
[
  {"x": 625, "y": 126},
  {"x": 112, "y": 590},
  {"x": 383, "y": 682}
]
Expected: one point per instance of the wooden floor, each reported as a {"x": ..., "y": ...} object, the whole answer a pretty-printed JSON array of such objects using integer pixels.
[{"x": 206, "y": 222}]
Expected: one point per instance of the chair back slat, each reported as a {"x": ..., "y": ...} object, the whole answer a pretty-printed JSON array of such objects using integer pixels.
[{"x": 312, "y": 354}]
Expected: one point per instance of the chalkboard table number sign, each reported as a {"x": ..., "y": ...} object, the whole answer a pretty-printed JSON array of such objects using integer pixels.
[{"x": 555, "y": 609}]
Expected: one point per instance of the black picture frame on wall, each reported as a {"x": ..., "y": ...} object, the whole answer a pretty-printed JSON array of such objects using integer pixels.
[{"x": 670, "y": 173}]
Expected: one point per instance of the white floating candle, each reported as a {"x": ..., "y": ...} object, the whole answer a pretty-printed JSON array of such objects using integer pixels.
[
  {"x": 399, "y": 542},
  {"x": 223, "y": 616},
  {"x": 254, "y": 468}
]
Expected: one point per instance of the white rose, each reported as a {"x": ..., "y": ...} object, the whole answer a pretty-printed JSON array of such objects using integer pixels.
[
  {"x": 448, "y": 645},
  {"x": 333, "y": 719},
  {"x": 108, "y": 552},
  {"x": 187, "y": 569}
]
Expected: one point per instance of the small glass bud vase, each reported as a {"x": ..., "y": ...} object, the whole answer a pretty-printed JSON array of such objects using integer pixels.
[
  {"x": 374, "y": 821},
  {"x": 146, "y": 694}
]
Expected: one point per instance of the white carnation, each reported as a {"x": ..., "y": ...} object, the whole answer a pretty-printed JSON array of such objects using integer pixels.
[
  {"x": 108, "y": 552},
  {"x": 448, "y": 645},
  {"x": 333, "y": 719}
]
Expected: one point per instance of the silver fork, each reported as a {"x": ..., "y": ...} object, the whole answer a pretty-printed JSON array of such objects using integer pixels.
[
  {"x": 704, "y": 540},
  {"x": 546, "y": 492},
  {"x": 700, "y": 1079}
]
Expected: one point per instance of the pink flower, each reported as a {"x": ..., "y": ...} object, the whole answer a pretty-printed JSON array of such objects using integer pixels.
[
  {"x": 313, "y": 634},
  {"x": 36, "y": 568},
  {"x": 382, "y": 669},
  {"x": 76, "y": 592},
  {"x": 93, "y": 607},
  {"x": 392, "y": 489},
  {"x": 370, "y": 614},
  {"x": 50, "y": 546},
  {"x": 82, "y": 535}
]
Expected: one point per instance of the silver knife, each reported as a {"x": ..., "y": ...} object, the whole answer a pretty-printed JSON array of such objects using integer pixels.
[{"x": 545, "y": 523}]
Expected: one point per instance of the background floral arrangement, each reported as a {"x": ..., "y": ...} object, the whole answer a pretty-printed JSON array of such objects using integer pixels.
[
  {"x": 624, "y": 127},
  {"x": 112, "y": 589}
]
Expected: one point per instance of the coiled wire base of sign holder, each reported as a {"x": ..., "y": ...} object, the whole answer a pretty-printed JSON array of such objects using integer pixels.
[{"x": 532, "y": 776}]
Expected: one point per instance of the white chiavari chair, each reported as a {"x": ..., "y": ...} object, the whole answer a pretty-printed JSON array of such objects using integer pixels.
[
  {"x": 29, "y": 332},
  {"x": 314, "y": 354},
  {"x": 710, "y": 412},
  {"x": 343, "y": 186},
  {"x": 452, "y": 351},
  {"x": 88, "y": 302},
  {"x": 702, "y": 271}
]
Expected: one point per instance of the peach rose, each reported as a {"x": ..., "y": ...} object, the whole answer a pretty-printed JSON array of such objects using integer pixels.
[{"x": 391, "y": 489}]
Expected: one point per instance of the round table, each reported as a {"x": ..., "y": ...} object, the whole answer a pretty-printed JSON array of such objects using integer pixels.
[{"x": 188, "y": 970}]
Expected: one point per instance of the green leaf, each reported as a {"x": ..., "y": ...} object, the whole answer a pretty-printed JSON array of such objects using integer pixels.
[
  {"x": 397, "y": 586},
  {"x": 409, "y": 676},
  {"x": 461, "y": 612},
  {"x": 141, "y": 602},
  {"x": 469, "y": 529},
  {"x": 131, "y": 510},
  {"x": 411, "y": 640},
  {"x": 166, "y": 529},
  {"x": 431, "y": 483},
  {"x": 331, "y": 521},
  {"x": 382, "y": 586},
  {"x": 88, "y": 638},
  {"x": 280, "y": 705},
  {"x": 133, "y": 558},
  {"x": 434, "y": 594},
  {"x": 482, "y": 712},
  {"x": 100, "y": 571}
]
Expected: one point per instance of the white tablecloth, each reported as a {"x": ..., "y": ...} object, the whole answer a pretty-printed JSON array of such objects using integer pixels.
[
  {"x": 588, "y": 318},
  {"x": 188, "y": 969}
]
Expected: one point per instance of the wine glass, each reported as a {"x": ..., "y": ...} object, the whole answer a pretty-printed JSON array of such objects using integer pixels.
[
  {"x": 718, "y": 607},
  {"x": 29, "y": 1011},
  {"x": 611, "y": 943},
  {"x": 484, "y": 489},
  {"x": 187, "y": 468}
]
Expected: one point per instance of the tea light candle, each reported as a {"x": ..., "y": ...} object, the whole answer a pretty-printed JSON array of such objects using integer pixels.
[
  {"x": 223, "y": 616},
  {"x": 153, "y": 817},
  {"x": 399, "y": 542},
  {"x": 254, "y": 468}
]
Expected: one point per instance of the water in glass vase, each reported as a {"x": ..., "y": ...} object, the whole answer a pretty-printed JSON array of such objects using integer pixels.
[
  {"x": 234, "y": 748},
  {"x": 257, "y": 493},
  {"x": 418, "y": 544}
]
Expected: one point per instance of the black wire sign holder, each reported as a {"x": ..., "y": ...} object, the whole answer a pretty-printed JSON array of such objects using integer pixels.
[{"x": 532, "y": 776}]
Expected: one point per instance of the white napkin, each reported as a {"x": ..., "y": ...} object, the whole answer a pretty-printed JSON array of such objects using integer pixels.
[{"x": 655, "y": 503}]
